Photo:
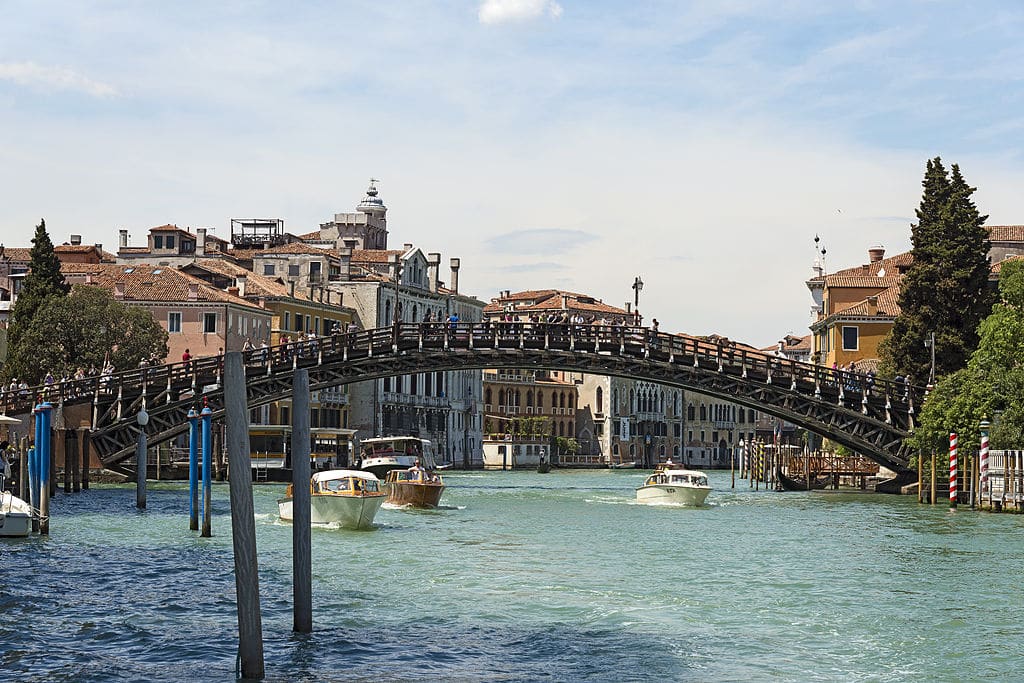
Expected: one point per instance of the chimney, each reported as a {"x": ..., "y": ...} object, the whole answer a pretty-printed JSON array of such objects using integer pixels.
[
  {"x": 407, "y": 246},
  {"x": 393, "y": 266},
  {"x": 122, "y": 239},
  {"x": 628, "y": 306},
  {"x": 119, "y": 289},
  {"x": 99, "y": 247},
  {"x": 345, "y": 263},
  {"x": 193, "y": 291},
  {"x": 455, "y": 264},
  {"x": 433, "y": 266},
  {"x": 233, "y": 291},
  {"x": 866, "y": 269},
  {"x": 876, "y": 253},
  {"x": 241, "y": 282},
  {"x": 200, "y": 241},
  {"x": 291, "y": 288},
  {"x": 350, "y": 243},
  {"x": 872, "y": 305},
  {"x": 565, "y": 301},
  {"x": 76, "y": 240},
  {"x": 88, "y": 278}
]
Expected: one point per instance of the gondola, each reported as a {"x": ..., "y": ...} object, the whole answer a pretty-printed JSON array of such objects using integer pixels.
[{"x": 791, "y": 484}]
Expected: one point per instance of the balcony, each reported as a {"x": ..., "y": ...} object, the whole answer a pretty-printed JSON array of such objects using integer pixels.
[{"x": 330, "y": 397}]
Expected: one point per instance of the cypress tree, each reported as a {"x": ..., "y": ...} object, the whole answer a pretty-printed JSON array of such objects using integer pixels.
[
  {"x": 945, "y": 290},
  {"x": 43, "y": 282}
]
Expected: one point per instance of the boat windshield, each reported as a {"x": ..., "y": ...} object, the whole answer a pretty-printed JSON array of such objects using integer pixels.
[{"x": 350, "y": 484}]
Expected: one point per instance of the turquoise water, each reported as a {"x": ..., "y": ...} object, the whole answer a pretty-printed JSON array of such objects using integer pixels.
[{"x": 555, "y": 577}]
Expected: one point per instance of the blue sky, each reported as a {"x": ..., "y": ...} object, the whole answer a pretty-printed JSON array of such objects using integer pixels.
[{"x": 548, "y": 144}]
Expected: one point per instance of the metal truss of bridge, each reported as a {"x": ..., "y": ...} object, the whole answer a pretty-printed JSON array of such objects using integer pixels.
[{"x": 869, "y": 418}]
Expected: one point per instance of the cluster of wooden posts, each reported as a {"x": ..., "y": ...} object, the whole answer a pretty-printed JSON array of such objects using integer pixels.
[
  {"x": 989, "y": 480},
  {"x": 758, "y": 464}
]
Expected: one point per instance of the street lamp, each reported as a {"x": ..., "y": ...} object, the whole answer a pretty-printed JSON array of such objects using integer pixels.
[
  {"x": 929, "y": 343},
  {"x": 638, "y": 284}
]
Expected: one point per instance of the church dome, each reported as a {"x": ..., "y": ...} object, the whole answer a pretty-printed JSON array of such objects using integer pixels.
[{"x": 372, "y": 204}]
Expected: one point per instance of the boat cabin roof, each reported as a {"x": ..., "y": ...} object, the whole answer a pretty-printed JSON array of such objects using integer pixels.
[
  {"x": 343, "y": 474},
  {"x": 389, "y": 439}
]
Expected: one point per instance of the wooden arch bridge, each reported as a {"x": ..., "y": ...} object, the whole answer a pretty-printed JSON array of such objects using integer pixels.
[{"x": 871, "y": 418}]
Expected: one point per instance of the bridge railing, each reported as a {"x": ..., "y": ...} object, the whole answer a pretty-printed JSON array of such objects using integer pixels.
[{"x": 715, "y": 354}]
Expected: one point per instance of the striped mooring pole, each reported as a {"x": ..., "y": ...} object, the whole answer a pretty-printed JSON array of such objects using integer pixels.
[
  {"x": 952, "y": 471},
  {"x": 984, "y": 459}
]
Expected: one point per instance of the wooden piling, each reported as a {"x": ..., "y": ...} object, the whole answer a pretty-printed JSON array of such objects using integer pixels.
[
  {"x": 932, "y": 491},
  {"x": 302, "y": 566},
  {"x": 243, "y": 523},
  {"x": 920, "y": 492},
  {"x": 23, "y": 469},
  {"x": 65, "y": 440},
  {"x": 141, "y": 446},
  {"x": 76, "y": 462},
  {"x": 86, "y": 458}
]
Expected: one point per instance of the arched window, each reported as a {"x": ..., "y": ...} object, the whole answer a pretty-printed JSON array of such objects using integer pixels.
[
  {"x": 572, "y": 428},
  {"x": 487, "y": 396},
  {"x": 414, "y": 307},
  {"x": 615, "y": 401},
  {"x": 661, "y": 451},
  {"x": 615, "y": 449},
  {"x": 561, "y": 400},
  {"x": 675, "y": 451},
  {"x": 519, "y": 398},
  {"x": 703, "y": 413},
  {"x": 600, "y": 400},
  {"x": 632, "y": 401},
  {"x": 387, "y": 312},
  {"x": 561, "y": 429},
  {"x": 632, "y": 449},
  {"x": 427, "y": 384},
  {"x": 529, "y": 399},
  {"x": 413, "y": 383},
  {"x": 691, "y": 412}
]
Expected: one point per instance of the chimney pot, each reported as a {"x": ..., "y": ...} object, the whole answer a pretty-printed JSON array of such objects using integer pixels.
[
  {"x": 119, "y": 289},
  {"x": 876, "y": 253},
  {"x": 193, "y": 291},
  {"x": 455, "y": 264},
  {"x": 233, "y": 291},
  {"x": 241, "y": 283},
  {"x": 200, "y": 241},
  {"x": 76, "y": 240},
  {"x": 122, "y": 238},
  {"x": 407, "y": 246}
]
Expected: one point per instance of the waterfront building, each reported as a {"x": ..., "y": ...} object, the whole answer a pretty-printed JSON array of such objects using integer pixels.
[
  {"x": 197, "y": 316},
  {"x": 169, "y": 245},
  {"x": 350, "y": 256}
]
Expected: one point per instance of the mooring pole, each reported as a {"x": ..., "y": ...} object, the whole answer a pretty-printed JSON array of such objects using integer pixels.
[
  {"x": 141, "y": 459},
  {"x": 933, "y": 493},
  {"x": 302, "y": 566},
  {"x": 44, "y": 469},
  {"x": 243, "y": 522},
  {"x": 952, "y": 472},
  {"x": 207, "y": 416},
  {"x": 193, "y": 470},
  {"x": 86, "y": 458}
]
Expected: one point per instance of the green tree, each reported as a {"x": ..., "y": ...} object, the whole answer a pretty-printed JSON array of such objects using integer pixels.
[
  {"x": 43, "y": 284},
  {"x": 992, "y": 384},
  {"x": 945, "y": 291},
  {"x": 88, "y": 328}
]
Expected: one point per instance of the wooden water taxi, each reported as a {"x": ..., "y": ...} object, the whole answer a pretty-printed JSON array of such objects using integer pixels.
[
  {"x": 347, "y": 498},
  {"x": 383, "y": 454},
  {"x": 415, "y": 487},
  {"x": 672, "y": 484}
]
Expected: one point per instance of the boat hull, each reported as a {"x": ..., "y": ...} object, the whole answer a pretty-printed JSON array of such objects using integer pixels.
[
  {"x": 414, "y": 494},
  {"x": 672, "y": 494},
  {"x": 349, "y": 512},
  {"x": 15, "y": 516},
  {"x": 793, "y": 484}
]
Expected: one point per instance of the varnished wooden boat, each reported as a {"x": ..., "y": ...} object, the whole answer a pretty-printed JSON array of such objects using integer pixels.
[
  {"x": 415, "y": 487},
  {"x": 794, "y": 484}
]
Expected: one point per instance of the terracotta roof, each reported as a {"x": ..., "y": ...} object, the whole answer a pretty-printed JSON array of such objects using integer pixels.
[
  {"x": 314, "y": 235},
  {"x": 791, "y": 343},
  {"x": 17, "y": 254},
  {"x": 255, "y": 285},
  {"x": 888, "y": 306},
  {"x": 133, "y": 250},
  {"x": 375, "y": 255},
  {"x": 998, "y": 267},
  {"x": 1006, "y": 233},
  {"x": 298, "y": 248},
  {"x": 891, "y": 266},
  {"x": 149, "y": 283},
  {"x": 551, "y": 300},
  {"x": 84, "y": 249},
  {"x": 861, "y": 281}
]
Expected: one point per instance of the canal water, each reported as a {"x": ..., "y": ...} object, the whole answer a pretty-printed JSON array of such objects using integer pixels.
[{"x": 523, "y": 576}]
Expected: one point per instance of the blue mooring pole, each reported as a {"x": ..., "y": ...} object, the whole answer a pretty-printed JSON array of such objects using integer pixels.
[
  {"x": 44, "y": 468},
  {"x": 207, "y": 416},
  {"x": 193, "y": 470}
]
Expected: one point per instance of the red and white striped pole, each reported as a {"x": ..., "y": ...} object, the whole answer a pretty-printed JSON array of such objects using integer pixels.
[
  {"x": 952, "y": 471},
  {"x": 984, "y": 458}
]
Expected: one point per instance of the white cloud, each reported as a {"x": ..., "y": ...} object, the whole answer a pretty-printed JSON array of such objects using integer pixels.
[
  {"x": 501, "y": 11},
  {"x": 52, "y": 78}
]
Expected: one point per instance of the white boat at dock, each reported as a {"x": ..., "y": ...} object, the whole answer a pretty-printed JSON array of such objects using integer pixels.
[
  {"x": 671, "y": 484},
  {"x": 347, "y": 498},
  {"x": 15, "y": 516}
]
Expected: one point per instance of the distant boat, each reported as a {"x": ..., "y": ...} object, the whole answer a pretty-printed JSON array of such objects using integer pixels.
[
  {"x": 382, "y": 454},
  {"x": 15, "y": 515},
  {"x": 543, "y": 466},
  {"x": 672, "y": 484},
  {"x": 631, "y": 465},
  {"x": 418, "y": 488},
  {"x": 800, "y": 484},
  {"x": 349, "y": 498}
]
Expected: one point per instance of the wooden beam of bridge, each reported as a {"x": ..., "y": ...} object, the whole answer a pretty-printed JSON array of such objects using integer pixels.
[{"x": 871, "y": 418}]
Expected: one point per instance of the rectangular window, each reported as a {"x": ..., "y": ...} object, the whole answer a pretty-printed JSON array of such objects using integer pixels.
[
  {"x": 170, "y": 241},
  {"x": 174, "y": 322},
  {"x": 209, "y": 323},
  {"x": 268, "y": 269},
  {"x": 158, "y": 241},
  {"x": 293, "y": 271},
  {"x": 850, "y": 337},
  {"x": 314, "y": 271},
  {"x": 287, "y": 320},
  {"x": 316, "y": 325},
  {"x": 689, "y": 436}
]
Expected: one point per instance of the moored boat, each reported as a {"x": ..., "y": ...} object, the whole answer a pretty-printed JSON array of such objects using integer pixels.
[
  {"x": 672, "y": 484},
  {"x": 348, "y": 498},
  {"x": 15, "y": 515},
  {"x": 383, "y": 454},
  {"x": 415, "y": 487},
  {"x": 800, "y": 484}
]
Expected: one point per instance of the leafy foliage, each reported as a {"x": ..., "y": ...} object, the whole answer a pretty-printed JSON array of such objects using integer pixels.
[
  {"x": 43, "y": 286},
  {"x": 945, "y": 291},
  {"x": 87, "y": 329},
  {"x": 992, "y": 385}
]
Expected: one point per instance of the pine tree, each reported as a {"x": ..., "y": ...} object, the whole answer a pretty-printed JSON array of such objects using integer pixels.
[
  {"x": 945, "y": 291},
  {"x": 43, "y": 282}
]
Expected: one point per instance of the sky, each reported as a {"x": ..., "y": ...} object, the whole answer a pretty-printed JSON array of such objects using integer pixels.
[{"x": 571, "y": 144}]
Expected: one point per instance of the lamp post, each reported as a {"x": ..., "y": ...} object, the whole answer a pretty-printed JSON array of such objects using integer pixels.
[
  {"x": 638, "y": 285},
  {"x": 140, "y": 459}
]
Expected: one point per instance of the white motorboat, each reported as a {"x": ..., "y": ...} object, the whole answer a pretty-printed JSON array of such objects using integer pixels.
[
  {"x": 383, "y": 454},
  {"x": 347, "y": 498},
  {"x": 673, "y": 485},
  {"x": 15, "y": 515}
]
